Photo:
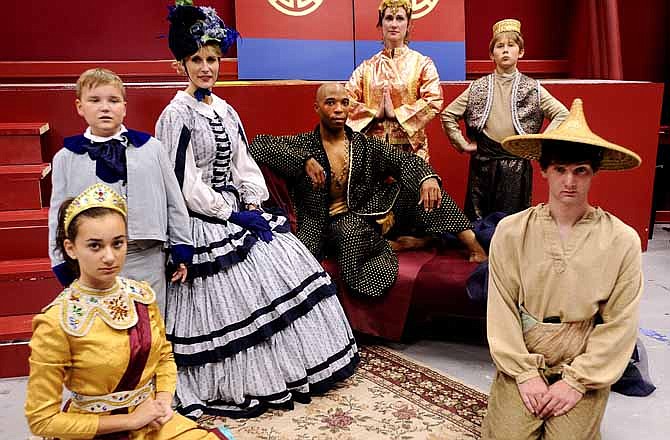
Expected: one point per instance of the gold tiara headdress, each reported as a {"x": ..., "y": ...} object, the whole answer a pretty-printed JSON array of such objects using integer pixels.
[
  {"x": 506, "y": 25},
  {"x": 98, "y": 195},
  {"x": 395, "y": 4}
]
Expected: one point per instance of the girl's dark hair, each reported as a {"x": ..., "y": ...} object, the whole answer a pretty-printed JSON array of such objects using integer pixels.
[
  {"x": 564, "y": 152},
  {"x": 73, "y": 229}
]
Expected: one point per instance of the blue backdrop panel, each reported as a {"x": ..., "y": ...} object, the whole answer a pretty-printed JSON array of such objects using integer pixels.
[{"x": 265, "y": 58}]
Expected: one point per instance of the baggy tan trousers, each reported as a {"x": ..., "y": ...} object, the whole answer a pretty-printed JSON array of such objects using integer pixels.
[{"x": 509, "y": 419}]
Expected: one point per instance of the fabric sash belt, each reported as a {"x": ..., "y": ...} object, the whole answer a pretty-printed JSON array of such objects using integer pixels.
[{"x": 559, "y": 343}]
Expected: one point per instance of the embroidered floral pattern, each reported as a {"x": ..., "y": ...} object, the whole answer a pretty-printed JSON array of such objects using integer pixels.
[
  {"x": 388, "y": 397},
  {"x": 115, "y": 306}
]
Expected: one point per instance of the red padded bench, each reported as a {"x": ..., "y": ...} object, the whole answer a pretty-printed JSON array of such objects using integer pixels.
[{"x": 430, "y": 285}]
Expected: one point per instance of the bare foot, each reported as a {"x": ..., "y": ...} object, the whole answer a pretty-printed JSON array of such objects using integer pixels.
[
  {"x": 476, "y": 257},
  {"x": 407, "y": 242},
  {"x": 477, "y": 252}
]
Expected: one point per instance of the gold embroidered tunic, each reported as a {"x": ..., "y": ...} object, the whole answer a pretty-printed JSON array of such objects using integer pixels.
[
  {"x": 595, "y": 271},
  {"x": 81, "y": 341},
  {"x": 415, "y": 91}
]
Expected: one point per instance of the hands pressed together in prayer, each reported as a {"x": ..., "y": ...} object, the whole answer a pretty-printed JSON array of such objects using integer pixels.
[
  {"x": 430, "y": 194},
  {"x": 153, "y": 413},
  {"x": 386, "y": 110},
  {"x": 548, "y": 401}
]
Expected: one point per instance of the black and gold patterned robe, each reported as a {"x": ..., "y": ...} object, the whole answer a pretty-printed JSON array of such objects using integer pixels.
[{"x": 367, "y": 263}]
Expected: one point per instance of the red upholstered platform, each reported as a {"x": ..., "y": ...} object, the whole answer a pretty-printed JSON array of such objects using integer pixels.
[
  {"x": 430, "y": 284},
  {"x": 430, "y": 287}
]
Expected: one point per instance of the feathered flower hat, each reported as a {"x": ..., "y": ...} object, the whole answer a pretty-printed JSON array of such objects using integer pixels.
[{"x": 193, "y": 26}]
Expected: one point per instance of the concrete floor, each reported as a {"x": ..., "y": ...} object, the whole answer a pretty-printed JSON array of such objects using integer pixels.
[{"x": 626, "y": 417}]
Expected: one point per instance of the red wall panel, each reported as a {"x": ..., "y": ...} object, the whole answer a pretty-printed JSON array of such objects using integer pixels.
[
  {"x": 129, "y": 30},
  {"x": 544, "y": 24},
  {"x": 42, "y": 30},
  {"x": 330, "y": 21}
]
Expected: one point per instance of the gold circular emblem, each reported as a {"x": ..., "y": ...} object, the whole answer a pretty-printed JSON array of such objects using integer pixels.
[
  {"x": 421, "y": 8},
  {"x": 296, "y": 8}
]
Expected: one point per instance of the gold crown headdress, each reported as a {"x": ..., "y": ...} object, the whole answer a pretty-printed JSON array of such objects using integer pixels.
[
  {"x": 395, "y": 4},
  {"x": 98, "y": 195},
  {"x": 506, "y": 25}
]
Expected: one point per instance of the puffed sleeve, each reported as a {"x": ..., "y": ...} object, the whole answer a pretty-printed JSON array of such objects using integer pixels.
[
  {"x": 58, "y": 195},
  {"x": 610, "y": 344},
  {"x": 414, "y": 117},
  {"x": 166, "y": 370},
  {"x": 503, "y": 321},
  {"x": 451, "y": 115},
  {"x": 198, "y": 196},
  {"x": 247, "y": 176},
  {"x": 362, "y": 111},
  {"x": 49, "y": 361}
]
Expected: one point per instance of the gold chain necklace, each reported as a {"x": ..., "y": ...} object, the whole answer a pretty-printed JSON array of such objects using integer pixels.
[{"x": 340, "y": 178}]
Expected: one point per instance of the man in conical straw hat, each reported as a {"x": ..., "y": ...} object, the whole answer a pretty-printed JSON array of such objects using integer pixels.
[{"x": 564, "y": 286}]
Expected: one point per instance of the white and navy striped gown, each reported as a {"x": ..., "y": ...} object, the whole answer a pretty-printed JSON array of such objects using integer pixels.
[{"x": 258, "y": 324}]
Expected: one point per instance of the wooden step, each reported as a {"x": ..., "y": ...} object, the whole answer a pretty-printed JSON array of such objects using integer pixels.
[
  {"x": 15, "y": 333},
  {"x": 22, "y": 186},
  {"x": 27, "y": 286},
  {"x": 14, "y": 357},
  {"x": 15, "y": 328},
  {"x": 21, "y": 142},
  {"x": 24, "y": 234}
]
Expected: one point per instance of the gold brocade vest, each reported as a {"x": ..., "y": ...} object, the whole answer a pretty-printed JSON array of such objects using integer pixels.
[{"x": 527, "y": 115}]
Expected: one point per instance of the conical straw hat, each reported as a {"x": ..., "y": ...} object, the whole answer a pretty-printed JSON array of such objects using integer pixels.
[{"x": 573, "y": 129}]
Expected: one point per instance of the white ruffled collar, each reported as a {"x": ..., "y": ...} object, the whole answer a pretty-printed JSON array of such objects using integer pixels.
[{"x": 80, "y": 305}]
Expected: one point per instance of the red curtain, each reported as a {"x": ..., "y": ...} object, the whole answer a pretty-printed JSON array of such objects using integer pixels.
[{"x": 596, "y": 40}]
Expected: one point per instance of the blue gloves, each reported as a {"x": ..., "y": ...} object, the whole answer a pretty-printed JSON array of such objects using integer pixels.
[{"x": 253, "y": 221}]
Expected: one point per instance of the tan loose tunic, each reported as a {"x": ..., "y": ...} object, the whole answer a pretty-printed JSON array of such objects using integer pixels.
[{"x": 595, "y": 271}]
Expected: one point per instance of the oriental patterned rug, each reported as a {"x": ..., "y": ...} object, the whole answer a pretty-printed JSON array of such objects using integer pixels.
[{"x": 389, "y": 397}]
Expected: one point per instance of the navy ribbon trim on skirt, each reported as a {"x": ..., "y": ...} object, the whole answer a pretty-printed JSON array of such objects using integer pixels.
[
  {"x": 236, "y": 255},
  {"x": 265, "y": 402},
  {"x": 256, "y": 337}
]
